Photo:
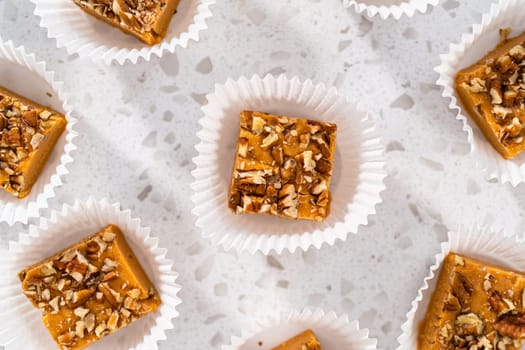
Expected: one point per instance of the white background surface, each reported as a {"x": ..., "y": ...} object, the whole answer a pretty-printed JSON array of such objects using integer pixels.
[{"x": 137, "y": 131}]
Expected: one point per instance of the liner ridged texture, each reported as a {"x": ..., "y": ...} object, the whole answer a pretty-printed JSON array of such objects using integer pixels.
[
  {"x": 478, "y": 242},
  {"x": 23, "y": 74},
  {"x": 472, "y": 47},
  {"x": 22, "y": 325},
  {"x": 358, "y": 166},
  {"x": 333, "y": 332},
  {"x": 387, "y": 8},
  {"x": 90, "y": 37}
]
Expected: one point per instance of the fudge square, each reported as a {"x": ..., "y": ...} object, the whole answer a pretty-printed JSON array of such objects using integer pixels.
[
  {"x": 147, "y": 20},
  {"x": 89, "y": 290},
  {"x": 28, "y": 134},
  {"x": 303, "y": 341},
  {"x": 474, "y": 306},
  {"x": 493, "y": 93},
  {"x": 283, "y": 167}
]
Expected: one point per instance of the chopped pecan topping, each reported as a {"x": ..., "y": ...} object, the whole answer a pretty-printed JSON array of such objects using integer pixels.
[
  {"x": 22, "y": 130},
  {"x": 137, "y": 15},
  {"x": 462, "y": 288},
  {"x": 504, "y": 83},
  {"x": 282, "y": 167},
  {"x": 511, "y": 325}
]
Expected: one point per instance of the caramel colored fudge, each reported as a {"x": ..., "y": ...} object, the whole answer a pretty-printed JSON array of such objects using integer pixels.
[
  {"x": 493, "y": 93},
  {"x": 28, "y": 133},
  {"x": 283, "y": 167},
  {"x": 89, "y": 290},
  {"x": 474, "y": 306},
  {"x": 148, "y": 20},
  {"x": 302, "y": 341}
]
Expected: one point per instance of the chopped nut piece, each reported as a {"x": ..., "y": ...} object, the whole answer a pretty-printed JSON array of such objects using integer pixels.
[
  {"x": 90, "y": 322},
  {"x": 81, "y": 312},
  {"x": 113, "y": 320},
  {"x": 66, "y": 339},
  {"x": 108, "y": 236},
  {"x": 54, "y": 304},
  {"x": 471, "y": 323},
  {"x": 79, "y": 297},
  {"x": 477, "y": 85},
  {"x": 282, "y": 167},
  {"x": 101, "y": 328},
  {"x": 86, "y": 303},
  {"x": 109, "y": 265},
  {"x": 511, "y": 325},
  {"x": 47, "y": 269},
  {"x": 134, "y": 293}
]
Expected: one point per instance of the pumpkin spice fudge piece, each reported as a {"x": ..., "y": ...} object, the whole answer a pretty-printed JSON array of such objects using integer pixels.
[
  {"x": 28, "y": 134},
  {"x": 282, "y": 167},
  {"x": 147, "y": 20},
  {"x": 89, "y": 290},
  {"x": 493, "y": 93},
  {"x": 303, "y": 341},
  {"x": 474, "y": 306}
]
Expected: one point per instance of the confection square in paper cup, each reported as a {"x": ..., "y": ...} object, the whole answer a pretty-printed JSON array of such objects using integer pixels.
[
  {"x": 390, "y": 8},
  {"x": 478, "y": 242},
  {"x": 471, "y": 48},
  {"x": 81, "y": 33},
  {"x": 23, "y": 328},
  {"x": 357, "y": 179},
  {"x": 333, "y": 332},
  {"x": 24, "y": 75}
]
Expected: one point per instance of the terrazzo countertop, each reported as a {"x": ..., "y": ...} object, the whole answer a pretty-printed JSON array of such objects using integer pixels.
[{"x": 137, "y": 131}]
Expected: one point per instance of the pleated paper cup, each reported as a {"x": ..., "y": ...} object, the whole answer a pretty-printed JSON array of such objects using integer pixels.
[
  {"x": 390, "y": 8},
  {"x": 23, "y": 74},
  {"x": 333, "y": 332},
  {"x": 479, "y": 242},
  {"x": 22, "y": 327},
  {"x": 357, "y": 179},
  {"x": 87, "y": 36},
  {"x": 471, "y": 48}
]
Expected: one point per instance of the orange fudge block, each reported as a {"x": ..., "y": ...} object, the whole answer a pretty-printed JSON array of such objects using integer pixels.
[
  {"x": 493, "y": 93},
  {"x": 283, "y": 167},
  {"x": 474, "y": 306},
  {"x": 28, "y": 134},
  {"x": 89, "y": 290},
  {"x": 303, "y": 341},
  {"x": 148, "y": 20}
]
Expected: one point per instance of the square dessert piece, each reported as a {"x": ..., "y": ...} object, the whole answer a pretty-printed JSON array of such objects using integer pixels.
[
  {"x": 493, "y": 93},
  {"x": 28, "y": 133},
  {"x": 89, "y": 290},
  {"x": 283, "y": 167},
  {"x": 148, "y": 20},
  {"x": 474, "y": 306},
  {"x": 303, "y": 341}
]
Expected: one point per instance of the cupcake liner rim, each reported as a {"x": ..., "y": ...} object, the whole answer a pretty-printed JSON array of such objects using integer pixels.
[{"x": 396, "y": 11}]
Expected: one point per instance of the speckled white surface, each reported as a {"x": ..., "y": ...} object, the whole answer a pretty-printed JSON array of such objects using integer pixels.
[{"x": 137, "y": 131}]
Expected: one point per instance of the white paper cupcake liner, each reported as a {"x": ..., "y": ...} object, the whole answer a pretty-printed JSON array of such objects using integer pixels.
[
  {"x": 90, "y": 37},
  {"x": 387, "y": 8},
  {"x": 358, "y": 166},
  {"x": 22, "y": 327},
  {"x": 333, "y": 332},
  {"x": 472, "y": 47},
  {"x": 23, "y": 74},
  {"x": 478, "y": 242}
]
